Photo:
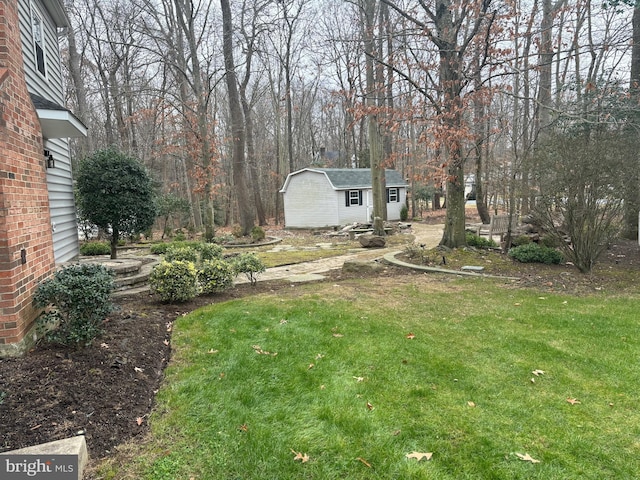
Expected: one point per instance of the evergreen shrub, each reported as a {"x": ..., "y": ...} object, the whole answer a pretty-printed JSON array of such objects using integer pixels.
[
  {"x": 95, "y": 248},
  {"x": 175, "y": 281},
  {"x": 215, "y": 275},
  {"x": 181, "y": 253},
  {"x": 535, "y": 253},
  {"x": 249, "y": 264},
  {"x": 477, "y": 241},
  {"x": 77, "y": 300}
]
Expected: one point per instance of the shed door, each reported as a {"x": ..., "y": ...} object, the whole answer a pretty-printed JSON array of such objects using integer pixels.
[{"x": 369, "y": 204}]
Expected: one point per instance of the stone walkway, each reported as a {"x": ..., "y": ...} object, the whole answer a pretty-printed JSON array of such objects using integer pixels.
[{"x": 428, "y": 235}]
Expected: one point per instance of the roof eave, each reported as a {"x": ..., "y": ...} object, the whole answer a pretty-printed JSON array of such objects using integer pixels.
[
  {"x": 57, "y": 12},
  {"x": 60, "y": 124}
]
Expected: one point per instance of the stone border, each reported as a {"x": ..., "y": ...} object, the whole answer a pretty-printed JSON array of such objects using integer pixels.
[
  {"x": 391, "y": 258},
  {"x": 272, "y": 241}
]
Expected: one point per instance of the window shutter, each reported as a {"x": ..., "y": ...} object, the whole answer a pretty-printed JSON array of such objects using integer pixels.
[
  {"x": 346, "y": 197},
  {"x": 359, "y": 197},
  {"x": 387, "y": 195}
]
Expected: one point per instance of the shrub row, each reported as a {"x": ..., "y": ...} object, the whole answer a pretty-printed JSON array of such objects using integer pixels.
[{"x": 185, "y": 272}]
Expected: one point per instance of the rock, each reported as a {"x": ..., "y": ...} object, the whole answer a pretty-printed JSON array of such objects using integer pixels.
[
  {"x": 372, "y": 241},
  {"x": 358, "y": 266}
]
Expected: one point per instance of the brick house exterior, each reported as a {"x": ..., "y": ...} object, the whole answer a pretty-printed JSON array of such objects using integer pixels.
[{"x": 26, "y": 237}]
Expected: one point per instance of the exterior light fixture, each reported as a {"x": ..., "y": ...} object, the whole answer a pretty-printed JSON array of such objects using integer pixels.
[{"x": 51, "y": 163}]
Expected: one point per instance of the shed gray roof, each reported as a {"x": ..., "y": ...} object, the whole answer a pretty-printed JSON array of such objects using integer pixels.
[{"x": 346, "y": 178}]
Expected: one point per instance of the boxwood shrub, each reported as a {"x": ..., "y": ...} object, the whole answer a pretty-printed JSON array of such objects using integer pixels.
[
  {"x": 477, "y": 241},
  {"x": 95, "y": 248},
  {"x": 535, "y": 253}
]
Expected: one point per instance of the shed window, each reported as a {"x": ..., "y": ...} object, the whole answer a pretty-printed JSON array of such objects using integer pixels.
[
  {"x": 38, "y": 41},
  {"x": 353, "y": 197},
  {"x": 393, "y": 195}
]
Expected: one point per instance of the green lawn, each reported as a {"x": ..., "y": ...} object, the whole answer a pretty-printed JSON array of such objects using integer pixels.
[{"x": 330, "y": 372}]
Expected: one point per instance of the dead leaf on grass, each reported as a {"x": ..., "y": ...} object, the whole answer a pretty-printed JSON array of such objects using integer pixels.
[
  {"x": 139, "y": 421},
  {"x": 362, "y": 460},
  {"x": 303, "y": 457},
  {"x": 243, "y": 428},
  {"x": 212, "y": 351},
  {"x": 419, "y": 455},
  {"x": 259, "y": 351},
  {"x": 359, "y": 379},
  {"x": 369, "y": 406},
  {"x": 471, "y": 404},
  {"x": 537, "y": 372},
  {"x": 338, "y": 335},
  {"x": 411, "y": 336},
  {"x": 527, "y": 458},
  {"x": 573, "y": 401}
]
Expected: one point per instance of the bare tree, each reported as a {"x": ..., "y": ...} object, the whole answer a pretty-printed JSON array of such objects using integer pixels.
[{"x": 245, "y": 204}]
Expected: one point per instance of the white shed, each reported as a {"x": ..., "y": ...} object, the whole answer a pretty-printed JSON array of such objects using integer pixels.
[{"x": 329, "y": 197}]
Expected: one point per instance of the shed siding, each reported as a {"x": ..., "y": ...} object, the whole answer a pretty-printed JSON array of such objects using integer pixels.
[
  {"x": 353, "y": 213},
  {"x": 59, "y": 179},
  {"x": 310, "y": 202},
  {"x": 393, "y": 208}
]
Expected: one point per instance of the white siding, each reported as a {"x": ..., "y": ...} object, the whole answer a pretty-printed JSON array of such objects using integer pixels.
[
  {"x": 353, "y": 213},
  {"x": 59, "y": 179},
  {"x": 310, "y": 202},
  {"x": 393, "y": 208}
]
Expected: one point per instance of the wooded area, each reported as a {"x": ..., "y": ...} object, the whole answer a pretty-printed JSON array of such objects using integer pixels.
[{"x": 221, "y": 100}]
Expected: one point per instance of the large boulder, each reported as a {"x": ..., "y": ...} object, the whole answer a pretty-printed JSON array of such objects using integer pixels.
[
  {"x": 362, "y": 267},
  {"x": 372, "y": 241}
]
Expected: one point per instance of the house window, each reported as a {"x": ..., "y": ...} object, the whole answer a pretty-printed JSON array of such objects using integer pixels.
[
  {"x": 393, "y": 195},
  {"x": 353, "y": 198},
  {"x": 38, "y": 41}
]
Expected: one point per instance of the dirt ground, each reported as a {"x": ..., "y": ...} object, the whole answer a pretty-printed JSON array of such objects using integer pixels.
[{"x": 106, "y": 392}]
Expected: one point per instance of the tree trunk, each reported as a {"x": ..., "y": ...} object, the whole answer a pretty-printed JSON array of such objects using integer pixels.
[
  {"x": 245, "y": 203},
  {"x": 375, "y": 139},
  {"x": 632, "y": 187}
]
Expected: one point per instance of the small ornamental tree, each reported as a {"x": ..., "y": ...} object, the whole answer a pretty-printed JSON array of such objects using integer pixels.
[{"x": 115, "y": 192}]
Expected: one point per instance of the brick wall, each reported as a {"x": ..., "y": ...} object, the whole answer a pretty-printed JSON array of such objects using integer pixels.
[{"x": 26, "y": 244}]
